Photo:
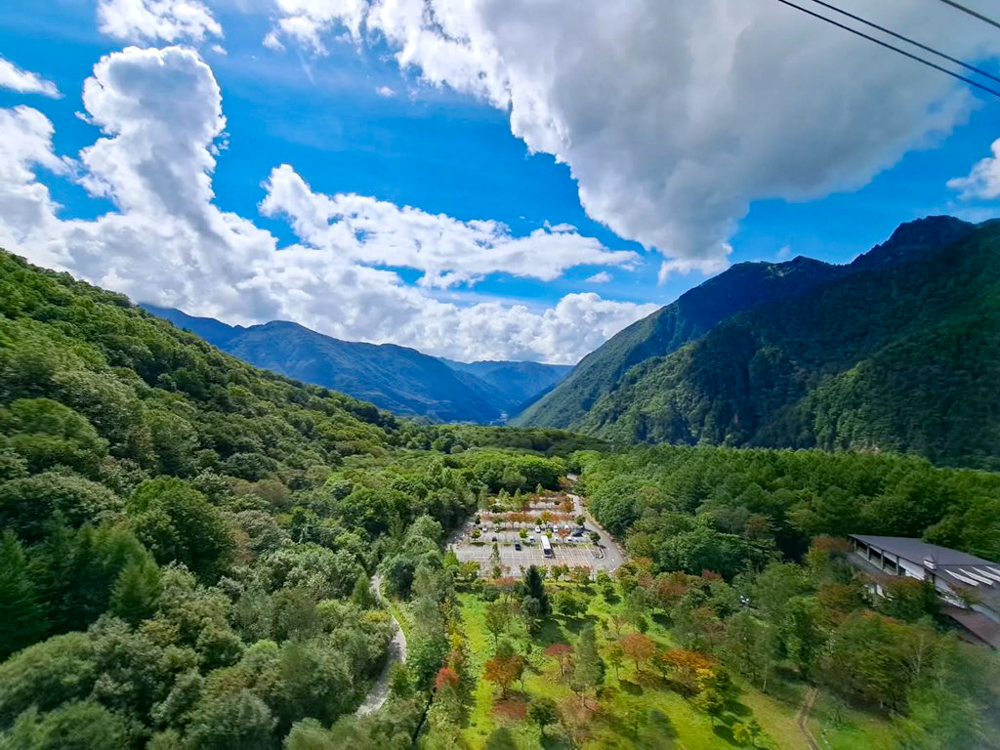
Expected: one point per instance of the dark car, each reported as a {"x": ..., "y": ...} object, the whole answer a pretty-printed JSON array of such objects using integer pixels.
[
  {"x": 517, "y": 545},
  {"x": 579, "y": 532},
  {"x": 494, "y": 539}
]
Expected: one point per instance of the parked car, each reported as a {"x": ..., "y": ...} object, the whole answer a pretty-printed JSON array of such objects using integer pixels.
[
  {"x": 494, "y": 538},
  {"x": 517, "y": 545},
  {"x": 531, "y": 540},
  {"x": 538, "y": 529},
  {"x": 579, "y": 532}
]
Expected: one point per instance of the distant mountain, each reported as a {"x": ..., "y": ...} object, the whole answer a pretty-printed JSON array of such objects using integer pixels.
[
  {"x": 520, "y": 382},
  {"x": 901, "y": 352},
  {"x": 696, "y": 312},
  {"x": 395, "y": 378}
]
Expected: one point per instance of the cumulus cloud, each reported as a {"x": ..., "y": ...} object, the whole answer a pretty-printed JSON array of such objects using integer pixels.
[
  {"x": 160, "y": 113},
  {"x": 156, "y": 20},
  {"x": 602, "y": 277},
  {"x": 385, "y": 92},
  {"x": 448, "y": 251},
  {"x": 984, "y": 179},
  {"x": 24, "y": 81},
  {"x": 675, "y": 116}
]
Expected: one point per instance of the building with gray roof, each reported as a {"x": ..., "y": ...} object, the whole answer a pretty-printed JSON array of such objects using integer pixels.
[{"x": 969, "y": 586}]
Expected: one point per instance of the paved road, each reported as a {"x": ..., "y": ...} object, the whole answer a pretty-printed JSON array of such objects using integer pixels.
[
  {"x": 615, "y": 556},
  {"x": 397, "y": 652}
]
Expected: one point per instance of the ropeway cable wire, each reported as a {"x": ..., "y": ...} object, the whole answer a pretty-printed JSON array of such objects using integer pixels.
[
  {"x": 971, "y": 12},
  {"x": 903, "y": 52},
  {"x": 907, "y": 39}
]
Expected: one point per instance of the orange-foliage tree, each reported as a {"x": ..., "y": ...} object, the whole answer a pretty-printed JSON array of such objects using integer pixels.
[
  {"x": 638, "y": 647},
  {"x": 504, "y": 668},
  {"x": 684, "y": 666}
]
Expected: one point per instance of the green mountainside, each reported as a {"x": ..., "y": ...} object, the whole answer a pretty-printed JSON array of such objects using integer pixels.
[
  {"x": 187, "y": 540},
  {"x": 901, "y": 356},
  {"x": 520, "y": 382},
  {"x": 395, "y": 378},
  {"x": 697, "y": 311}
]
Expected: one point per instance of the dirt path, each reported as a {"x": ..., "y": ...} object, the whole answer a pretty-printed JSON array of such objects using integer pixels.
[
  {"x": 802, "y": 718},
  {"x": 397, "y": 652}
]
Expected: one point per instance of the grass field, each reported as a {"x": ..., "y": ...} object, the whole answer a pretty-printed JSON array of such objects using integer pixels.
[{"x": 635, "y": 710}]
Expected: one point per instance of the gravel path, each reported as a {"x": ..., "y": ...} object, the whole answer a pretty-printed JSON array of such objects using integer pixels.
[{"x": 397, "y": 652}]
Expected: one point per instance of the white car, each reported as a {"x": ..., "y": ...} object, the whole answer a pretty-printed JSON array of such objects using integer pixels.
[
  {"x": 531, "y": 540},
  {"x": 538, "y": 529}
]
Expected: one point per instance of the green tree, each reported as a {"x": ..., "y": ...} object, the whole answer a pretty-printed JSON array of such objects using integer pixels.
[
  {"x": 21, "y": 617},
  {"x": 588, "y": 673},
  {"x": 534, "y": 587},
  {"x": 362, "y": 596},
  {"x": 231, "y": 720},
  {"x": 497, "y": 618},
  {"x": 176, "y": 522},
  {"x": 136, "y": 591},
  {"x": 543, "y": 712},
  {"x": 83, "y": 725}
]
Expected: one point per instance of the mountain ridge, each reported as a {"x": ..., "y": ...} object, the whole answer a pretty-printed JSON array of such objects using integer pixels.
[
  {"x": 396, "y": 378},
  {"x": 741, "y": 287},
  {"x": 899, "y": 356}
]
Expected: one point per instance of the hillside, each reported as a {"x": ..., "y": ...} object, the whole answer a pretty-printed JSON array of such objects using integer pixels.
[
  {"x": 892, "y": 356},
  {"x": 395, "y": 378},
  {"x": 520, "y": 382},
  {"x": 187, "y": 540},
  {"x": 741, "y": 287}
]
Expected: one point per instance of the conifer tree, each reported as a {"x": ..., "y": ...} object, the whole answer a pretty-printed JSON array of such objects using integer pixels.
[
  {"x": 21, "y": 621},
  {"x": 136, "y": 590}
]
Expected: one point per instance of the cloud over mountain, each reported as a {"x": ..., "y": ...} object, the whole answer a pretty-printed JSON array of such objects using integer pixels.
[
  {"x": 166, "y": 241},
  {"x": 675, "y": 116}
]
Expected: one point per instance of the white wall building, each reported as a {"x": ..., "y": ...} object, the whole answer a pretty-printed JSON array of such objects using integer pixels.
[{"x": 969, "y": 586}]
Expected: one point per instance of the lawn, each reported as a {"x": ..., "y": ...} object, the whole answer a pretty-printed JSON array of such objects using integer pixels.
[{"x": 637, "y": 710}]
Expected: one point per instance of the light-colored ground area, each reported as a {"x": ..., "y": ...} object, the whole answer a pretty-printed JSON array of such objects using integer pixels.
[
  {"x": 396, "y": 652},
  {"x": 573, "y": 555},
  {"x": 606, "y": 556}
]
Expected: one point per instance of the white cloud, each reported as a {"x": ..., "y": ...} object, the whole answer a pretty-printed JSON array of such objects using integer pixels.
[
  {"x": 155, "y": 20},
  {"x": 385, "y": 92},
  {"x": 675, "y": 116},
  {"x": 166, "y": 241},
  {"x": 24, "y": 81},
  {"x": 446, "y": 250},
  {"x": 984, "y": 179},
  {"x": 602, "y": 277}
]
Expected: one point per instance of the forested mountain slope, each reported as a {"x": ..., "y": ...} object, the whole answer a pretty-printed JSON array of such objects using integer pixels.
[
  {"x": 697, "y": 311},
  {"x": 893, "y": 356},
  {"x": 400, "y": 380},
  {"x": 518, "y": 381},
  {"x": 187, "y": 539}
]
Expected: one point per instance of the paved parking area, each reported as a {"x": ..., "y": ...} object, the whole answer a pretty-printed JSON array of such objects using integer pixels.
[{"x": 516, "y": 561}]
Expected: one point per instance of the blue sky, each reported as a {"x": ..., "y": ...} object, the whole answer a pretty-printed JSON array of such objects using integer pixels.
[{"x": 439, "y": 145}]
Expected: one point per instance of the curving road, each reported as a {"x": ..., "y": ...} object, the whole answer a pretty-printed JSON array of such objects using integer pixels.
[
  {"x": 612, "y": 552},
  {"x": 397, "y": 652}
]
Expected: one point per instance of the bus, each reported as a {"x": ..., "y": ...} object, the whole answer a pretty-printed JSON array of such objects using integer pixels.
[{"x": 546, "y": 546}]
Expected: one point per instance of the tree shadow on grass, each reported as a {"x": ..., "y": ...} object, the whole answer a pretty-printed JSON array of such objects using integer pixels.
[
  {"x": 738, "y": 709},
  {"x": 576, "y": 624},
  {"x": 724, "y": 732},
  {"x": 661, "y": 619},
  {"x": 632, "y": 688},
  {"x": 551, "y": 631}
]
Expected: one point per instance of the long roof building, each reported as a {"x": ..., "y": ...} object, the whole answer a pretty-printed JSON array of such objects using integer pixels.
[{"x": 968, "y": 585}]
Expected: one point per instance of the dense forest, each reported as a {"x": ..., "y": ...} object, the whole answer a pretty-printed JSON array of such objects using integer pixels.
[
  {"x": 188, "y": 540},
  {"x": 895, "y": 352},
  {"x": 742, "y": 551},
  {"x": 900, "y": 359}
]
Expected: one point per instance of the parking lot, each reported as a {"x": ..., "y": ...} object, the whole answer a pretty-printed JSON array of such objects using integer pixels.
[{"x": 573, "y": 555}]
